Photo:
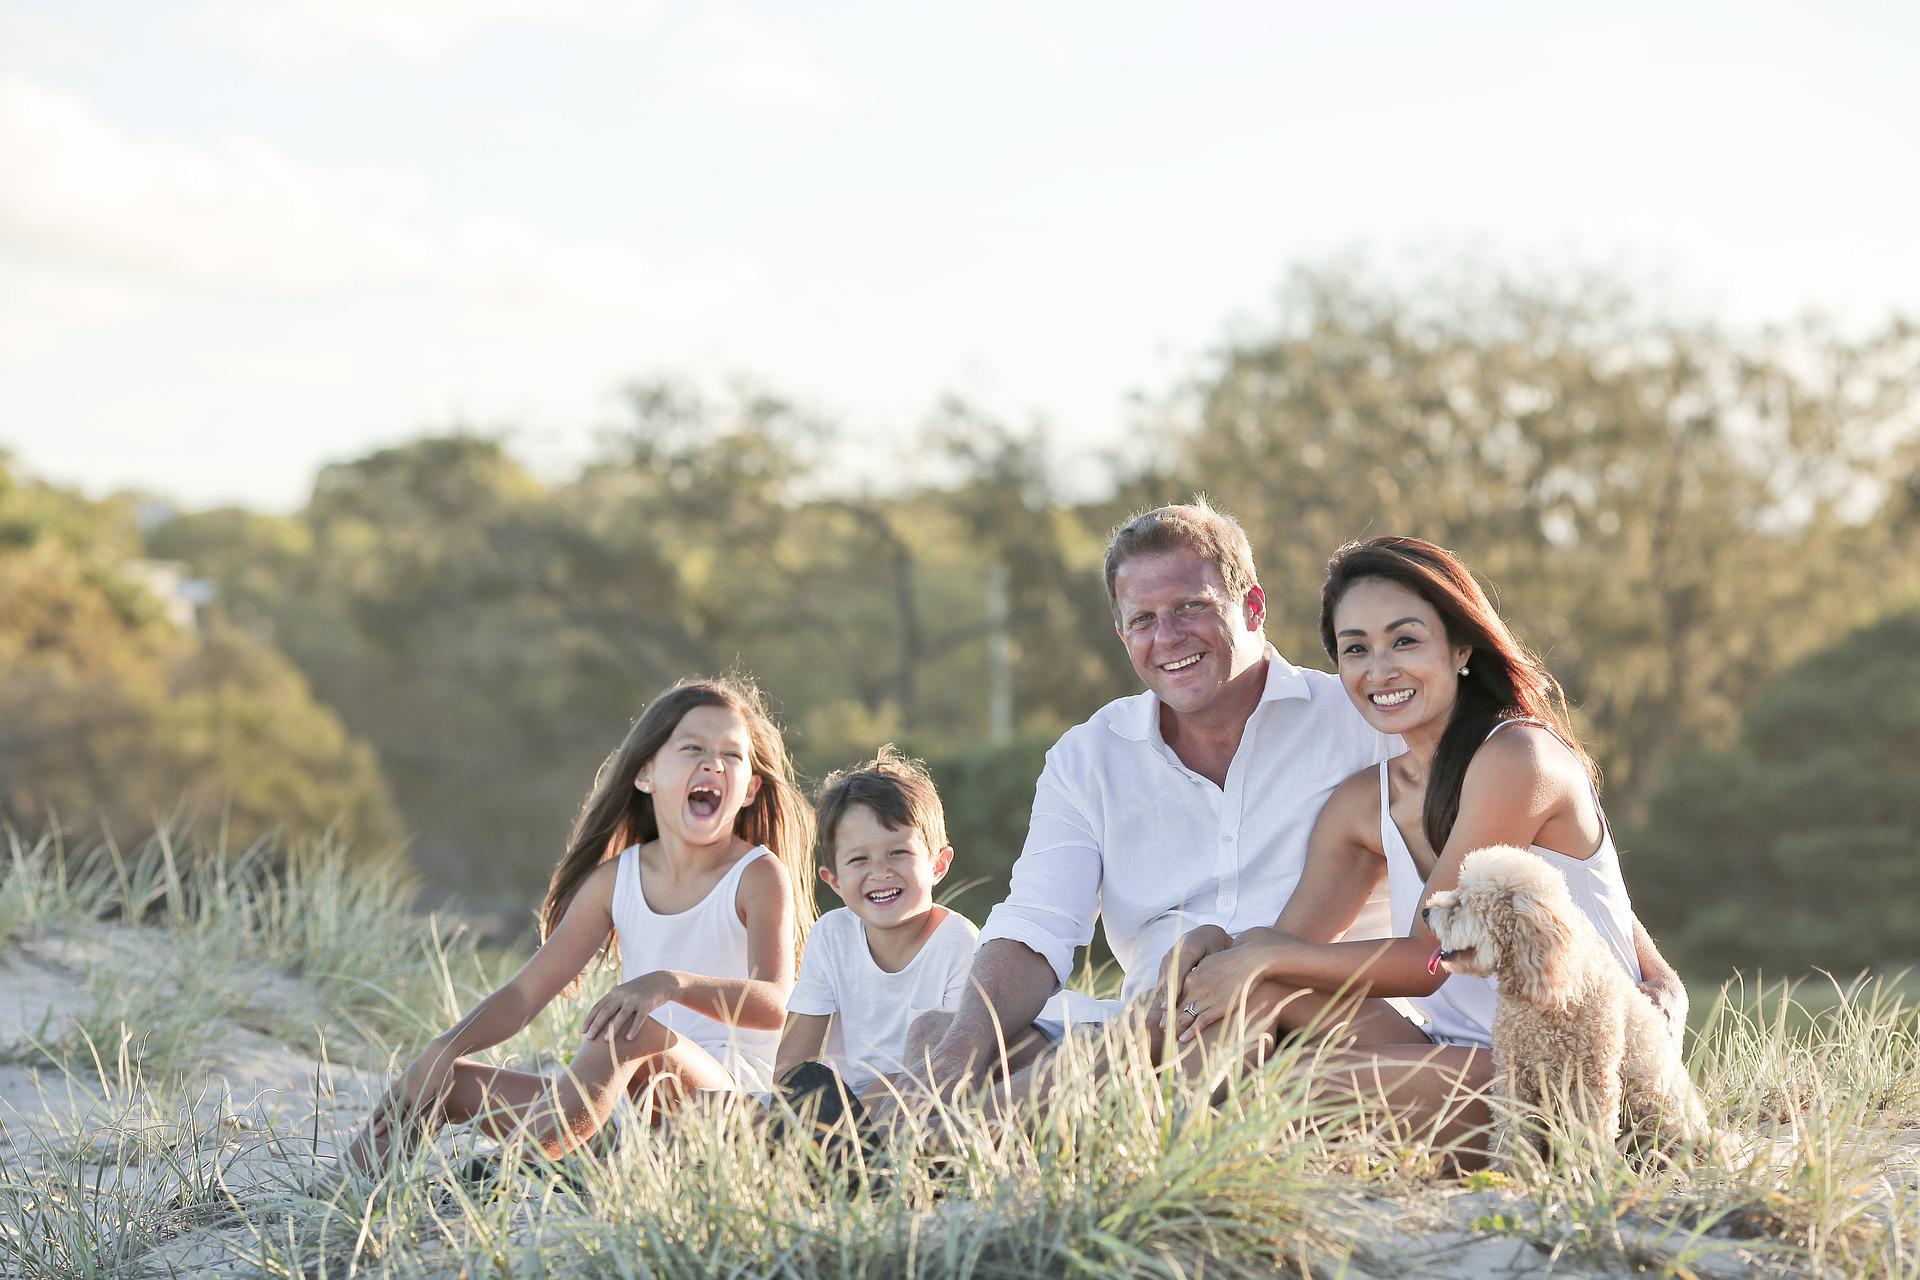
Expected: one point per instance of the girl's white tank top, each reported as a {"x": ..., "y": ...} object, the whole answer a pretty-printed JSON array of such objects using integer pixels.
[
  {"x": 706, "y": 938},
  {"x": 1461, "y": 1011}
]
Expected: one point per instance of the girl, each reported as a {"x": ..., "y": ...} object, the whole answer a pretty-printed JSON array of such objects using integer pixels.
[
  {"x": 687, "y": 859},
  {"x": 1491, "y": 759}
]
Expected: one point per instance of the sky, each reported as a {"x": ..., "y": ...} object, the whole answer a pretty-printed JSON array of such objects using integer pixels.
[{"x": 240, "y": 239}]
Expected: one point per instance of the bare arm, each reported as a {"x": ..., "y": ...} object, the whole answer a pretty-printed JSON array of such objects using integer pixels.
[
  {"x": 1344, "y": 865},
  {"x": 1507, "y": 797},
  {"x": 1658, "y": 979},
  {"x": 582, "y": 931},
  {"x": 803, "y": 1041},
  {"x": 1006, "y": 989},
  {"x": 758, "y": 1001},
  {"x": 420, "y": 1088}
]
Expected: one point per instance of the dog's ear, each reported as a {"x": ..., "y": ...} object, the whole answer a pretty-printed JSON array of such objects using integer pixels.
[{"x": 1539, "y": 946}]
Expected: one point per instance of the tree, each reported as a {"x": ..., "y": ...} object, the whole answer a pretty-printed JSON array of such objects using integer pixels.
[
  {"x": 1802, "y": 846},
  {"x": 1669, "y": 514},
  {"x": 112, "y": 717}
]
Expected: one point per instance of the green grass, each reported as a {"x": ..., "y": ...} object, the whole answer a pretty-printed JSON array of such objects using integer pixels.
[{"x": 134, "y": 1157}]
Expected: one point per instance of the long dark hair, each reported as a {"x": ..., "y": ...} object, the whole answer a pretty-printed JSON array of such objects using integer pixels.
[
  {"x": 617, "y": 815},
  {"x": 1504, "y": 680}
]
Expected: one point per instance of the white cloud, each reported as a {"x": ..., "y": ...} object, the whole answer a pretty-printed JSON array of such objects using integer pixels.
[
  {"x": 720, "y": 53},
  {"x": 308, "y": 33},
  {"x": 37, "y": 307},
  {"x": 753, "y": 66},
  {"x": 142, "y": 212}
]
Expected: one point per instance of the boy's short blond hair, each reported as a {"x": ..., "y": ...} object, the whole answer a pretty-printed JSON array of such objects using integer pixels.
[
  {"x": 1194, "y": 526},
  {"x": 897, "y": 788}
]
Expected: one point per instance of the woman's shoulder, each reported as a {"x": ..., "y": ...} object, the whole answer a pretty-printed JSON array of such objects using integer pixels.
[
  {"x": 1524, "y": 753},
  {"x": 1354, "y": 806},
  {"x": 1360, "y": 790}
]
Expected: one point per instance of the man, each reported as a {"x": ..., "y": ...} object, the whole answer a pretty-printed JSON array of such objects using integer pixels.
[{"x": 1187, "y": 805}]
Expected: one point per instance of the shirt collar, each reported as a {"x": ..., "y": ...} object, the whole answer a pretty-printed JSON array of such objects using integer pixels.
[{"x": 1141, "y": 723}]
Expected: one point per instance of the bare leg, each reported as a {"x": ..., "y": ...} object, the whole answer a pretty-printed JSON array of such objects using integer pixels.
[
  {"x": 1433, "y": 1091},
  {"x": 1013, "y": 1066},
  {"x": 1274, "y": 1011},
  {"x": 570, "y": 1107},
  {"x": 556, "y": 1112}
]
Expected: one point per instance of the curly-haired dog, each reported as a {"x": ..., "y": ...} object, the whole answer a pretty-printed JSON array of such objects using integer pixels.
[{"x": 1570, "y": 1021}]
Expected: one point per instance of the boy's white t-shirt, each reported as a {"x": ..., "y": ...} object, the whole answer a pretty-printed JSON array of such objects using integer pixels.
[{"x": 872, "y": 1008}]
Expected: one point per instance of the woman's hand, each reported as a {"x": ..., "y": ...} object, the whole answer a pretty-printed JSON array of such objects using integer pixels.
[
  {"x": 1216, "y": 986},
  {"x": 1670, "y": 998},
  {"x": 1193, "y": 947},
  {"x": 628, "y": 1005}
]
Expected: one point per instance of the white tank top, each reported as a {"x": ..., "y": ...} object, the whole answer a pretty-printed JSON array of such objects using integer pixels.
[
  {"x": 1461, "y": 1011},
  {"x": 706, "y": 938}
]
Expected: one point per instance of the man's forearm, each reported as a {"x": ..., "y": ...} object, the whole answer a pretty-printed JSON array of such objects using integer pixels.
[{"x": 1009, "y": 984}]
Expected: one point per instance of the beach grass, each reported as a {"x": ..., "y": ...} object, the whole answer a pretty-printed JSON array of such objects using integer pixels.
[{"x": 210, "y": 1027}]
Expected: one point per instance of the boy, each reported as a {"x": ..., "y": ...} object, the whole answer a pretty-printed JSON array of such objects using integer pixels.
[{"x": 890, "y": 954}]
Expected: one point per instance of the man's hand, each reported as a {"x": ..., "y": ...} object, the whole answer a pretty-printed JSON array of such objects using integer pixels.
[
  {"x": 1193, "y": 947},
  {"x": 1218, "y": 986}
]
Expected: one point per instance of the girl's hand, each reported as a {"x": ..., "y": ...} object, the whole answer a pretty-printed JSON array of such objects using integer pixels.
[
  {"x": 424, "y": 1083},
  {"x": 1193, "y": 947},
  {"x": 1217, "y": 985},
  {"x": 628, "y": 1005}
]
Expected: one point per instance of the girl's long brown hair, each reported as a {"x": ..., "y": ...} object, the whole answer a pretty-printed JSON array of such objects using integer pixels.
[
  {"x": 1504, "y": 680},
  {"x": 616, "y": 815}
]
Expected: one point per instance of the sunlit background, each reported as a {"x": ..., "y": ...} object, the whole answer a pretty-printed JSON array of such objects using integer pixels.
[{"x": 397, "y": 394}]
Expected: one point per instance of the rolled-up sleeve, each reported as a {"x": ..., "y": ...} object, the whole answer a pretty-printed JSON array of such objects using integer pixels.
[{"x": 1055, "y": 892}]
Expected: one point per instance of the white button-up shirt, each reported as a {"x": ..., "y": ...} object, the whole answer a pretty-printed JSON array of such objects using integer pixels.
[{"x": 1122, "y": 828}]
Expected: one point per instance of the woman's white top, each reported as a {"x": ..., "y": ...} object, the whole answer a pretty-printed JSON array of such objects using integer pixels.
[
  {"x": 872, "y": 1008},
  {"x": 707, "y": 938},
  {"x": 1461, "y": 1011}
]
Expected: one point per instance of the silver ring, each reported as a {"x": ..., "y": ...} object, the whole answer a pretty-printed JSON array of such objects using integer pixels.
[{"x": 1190, "y": 1009}]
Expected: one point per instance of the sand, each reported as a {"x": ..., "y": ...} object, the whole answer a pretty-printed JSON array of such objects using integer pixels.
[{"x": 272, "y": 1115}]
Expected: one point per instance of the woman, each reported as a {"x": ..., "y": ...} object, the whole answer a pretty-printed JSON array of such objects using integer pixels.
[{"x": 1490, "y": 760}]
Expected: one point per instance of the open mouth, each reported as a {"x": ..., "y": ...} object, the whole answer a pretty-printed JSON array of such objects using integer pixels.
[
  {"x": 1182, "y": 664},
  {"x": 1442, "y": 956},
  {"x": 704, "y": 799},
  {"x": 881, "y": 897},
  {"x": 1389, "y": 699}
]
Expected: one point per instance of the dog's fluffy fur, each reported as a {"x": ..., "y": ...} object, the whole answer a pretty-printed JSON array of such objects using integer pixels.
[{"x": 1570, "y": 1023}]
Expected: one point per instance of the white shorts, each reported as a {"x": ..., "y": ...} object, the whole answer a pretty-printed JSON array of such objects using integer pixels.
[{"x": 1070, "y": 1010}]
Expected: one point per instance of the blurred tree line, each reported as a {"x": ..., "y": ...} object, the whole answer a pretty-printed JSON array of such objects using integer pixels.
[
  {"x": 115, "y": 718},
  {"x": 1671, "y": 514}
]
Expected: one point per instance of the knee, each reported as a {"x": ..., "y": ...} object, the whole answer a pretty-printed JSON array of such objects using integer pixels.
[{"x": 597, "y": 1061}]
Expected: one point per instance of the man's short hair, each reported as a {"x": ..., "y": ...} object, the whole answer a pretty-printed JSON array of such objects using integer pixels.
[
  {"x": 897, "y": 788},
  {"x": 1194, "y": 526}
]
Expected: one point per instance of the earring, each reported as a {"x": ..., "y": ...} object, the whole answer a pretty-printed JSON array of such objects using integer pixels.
[
  {"x": 1463, "y": 668},
  {"x": 645, "y": 787}
]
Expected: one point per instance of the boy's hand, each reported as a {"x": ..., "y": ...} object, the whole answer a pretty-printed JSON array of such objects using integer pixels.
[{"x": 623, "y": 1009}]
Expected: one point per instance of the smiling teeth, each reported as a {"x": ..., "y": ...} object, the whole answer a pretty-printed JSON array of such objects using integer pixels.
[
  {"x": 1181, "y": 665},
  {"x": 1393, "y": 699},
  {"x": 883, "y": 895}
]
